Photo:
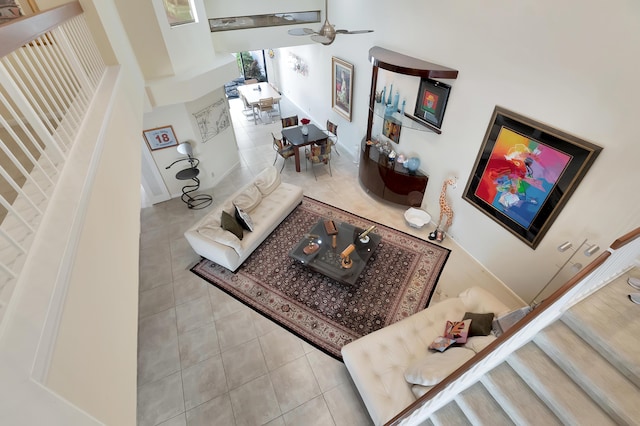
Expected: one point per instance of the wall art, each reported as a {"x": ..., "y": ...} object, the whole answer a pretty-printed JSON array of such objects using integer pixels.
[
  {"x": 213, "y": 119},
  {"x": 341, "y": 87}
]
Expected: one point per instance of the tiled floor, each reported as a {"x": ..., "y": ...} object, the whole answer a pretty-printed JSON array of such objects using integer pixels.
[{"x": 206, "y": 359}]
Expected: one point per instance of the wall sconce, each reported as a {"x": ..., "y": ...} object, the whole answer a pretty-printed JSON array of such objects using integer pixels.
[{"x": 575, "y": 267}]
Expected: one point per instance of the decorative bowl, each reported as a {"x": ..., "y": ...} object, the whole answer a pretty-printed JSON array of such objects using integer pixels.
[{"x": 417, "y": 218}]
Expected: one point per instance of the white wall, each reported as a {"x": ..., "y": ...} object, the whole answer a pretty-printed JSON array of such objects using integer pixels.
[
  {"x": 572, "y": 66},
  {"x": 217, "y": 156}
]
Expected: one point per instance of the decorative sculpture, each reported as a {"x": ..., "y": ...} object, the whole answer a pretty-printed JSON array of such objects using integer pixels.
[{"x": 445, "y": 210}]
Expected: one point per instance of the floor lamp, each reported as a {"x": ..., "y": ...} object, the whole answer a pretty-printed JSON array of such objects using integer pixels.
[{"x": 590, "y": 249}]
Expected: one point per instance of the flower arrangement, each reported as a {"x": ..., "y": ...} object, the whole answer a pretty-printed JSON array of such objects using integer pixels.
[{"x": 305, "y": 121}]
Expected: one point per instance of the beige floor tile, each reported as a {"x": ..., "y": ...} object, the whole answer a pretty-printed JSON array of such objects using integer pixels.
[
  {"x": 180, "y": 420},
  {"x": 198, "y": 345},
  {"x": 203, "y": 382},
  {"x": 294, "y": 384},
  {"x": 194, "y": 314},
  {"x": 262, "y": 324},
  {"x": 312, "y": 413},
  {"x": 217, "y": 411},
  {"x": 223, "y": 304},
  {"x": 155, "y": 300},
  {"x": 255, "y": 403},
  {"x": 328, "y": 371},
  {"x": 160, "y": 400},
  {"x": 347, "y": 409},
  {"x": 158, "y": 354},
  {"x": 243, "y": 363},
  {"x": 235, "y": 329},
  {"x": 280, "y": 347},
  {"x": 189, "y": 288}
]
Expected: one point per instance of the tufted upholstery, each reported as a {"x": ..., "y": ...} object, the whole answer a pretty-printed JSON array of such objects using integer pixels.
[
  {"x": 272, "y": 209},
  {"x": 377, "y": 361}
]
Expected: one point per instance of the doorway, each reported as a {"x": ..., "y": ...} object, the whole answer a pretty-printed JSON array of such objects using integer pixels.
[{"x": 251, "y": 65}]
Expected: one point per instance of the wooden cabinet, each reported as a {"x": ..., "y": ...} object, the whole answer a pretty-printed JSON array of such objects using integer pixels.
[{"x": 388, "y": 179}]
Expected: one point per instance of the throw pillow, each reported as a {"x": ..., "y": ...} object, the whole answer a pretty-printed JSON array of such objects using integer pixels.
[
  {"x": 244, "y": 219},
  {"x": 480, "y": 323},
  {"x": 441, "y": 344},
  {"x": 248, "y": 199},
  {"x": 267, "y": 180},
  {"x": 219, "y": 235},
  {"x": 458, "y": 330},
  {"x": 229, "y": 223},
  {"x": 430, "y": 370}
]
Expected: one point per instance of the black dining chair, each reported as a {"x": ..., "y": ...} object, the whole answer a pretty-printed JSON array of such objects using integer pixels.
[
  {"x": 290, "y": 121},
  {"x": 332, "y": 132},
  {"x": 318, "y": 154},
  {"x": 282, "y": 149}
]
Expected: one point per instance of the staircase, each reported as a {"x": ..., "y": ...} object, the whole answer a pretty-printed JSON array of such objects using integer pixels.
[{"x": 583, "y": 369}]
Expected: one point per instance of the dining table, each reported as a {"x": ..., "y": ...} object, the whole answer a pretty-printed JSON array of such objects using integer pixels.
[
  {"x": 294, "y": 136},
  {"x": 256, "y": 91}
]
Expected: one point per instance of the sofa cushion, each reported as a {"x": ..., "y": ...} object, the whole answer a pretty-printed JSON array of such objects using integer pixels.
[
  {"x": 248, "y": 199},
  {"x": 478, "y": 343},
  {"x": 267, "y": 181},
  {"x": 213, "y": 231},
  {"x": 481, "y": 324},
  {"x": 434, "y": 367},
  {"x": 244, "y": 219},
  {"x": 441, "y": 343},
  {"x": 229, "y": 223}
]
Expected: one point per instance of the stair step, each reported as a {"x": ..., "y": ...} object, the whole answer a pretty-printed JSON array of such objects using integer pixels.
[
  {"x": 449, "y": 415},
  {"x": 516, "y": 398},
  {"x": 563, "y": 396},
  {"x": 606, "y": 385},
  {"x": 606, "y": 321},
  {"x": 480, "y": 407}
]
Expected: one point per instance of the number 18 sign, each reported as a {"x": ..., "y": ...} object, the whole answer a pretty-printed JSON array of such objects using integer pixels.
[{"x": 160, "y": 137}]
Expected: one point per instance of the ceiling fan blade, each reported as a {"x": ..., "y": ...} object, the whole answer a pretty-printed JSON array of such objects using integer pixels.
[
  {"x": 301, "y": 31},
  {"x": 322, "y": 39},
  {"x": 353, "y": 32}
]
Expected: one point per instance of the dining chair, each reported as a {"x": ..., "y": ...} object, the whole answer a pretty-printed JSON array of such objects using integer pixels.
[
  {"x": 332, "y": 132},
  {"x": 251, "y": 81},
  {"x": 317, "y": 154},
  {"x": 290, "y": 121},
  {"x": 248, "y": 109},
  {"x": 265, "y": 105},
  {"x": 282, "y": 149}
]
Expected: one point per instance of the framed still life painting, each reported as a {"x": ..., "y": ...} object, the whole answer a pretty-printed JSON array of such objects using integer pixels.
[
  {"x": 341, "y": 87},
  {"x": 525, "y": 173}
]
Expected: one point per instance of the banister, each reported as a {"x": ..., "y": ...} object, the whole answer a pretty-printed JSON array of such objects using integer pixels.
[
  {"x": 538, "y": 311},
  {"x": 17, "y": 33}
]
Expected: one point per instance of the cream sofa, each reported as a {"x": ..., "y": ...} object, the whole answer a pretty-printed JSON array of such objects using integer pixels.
[
  {"x": 379, "y": 362},
  {"x": 267, "y": 200}
]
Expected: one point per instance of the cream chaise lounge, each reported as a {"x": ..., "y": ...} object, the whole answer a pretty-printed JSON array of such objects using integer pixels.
[
  {"x": 379, "y": 362},
  {"x": 267, "y": 200}
]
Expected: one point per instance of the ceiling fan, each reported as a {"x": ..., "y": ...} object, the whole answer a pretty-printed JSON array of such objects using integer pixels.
[{"x": 327, "y": 33}]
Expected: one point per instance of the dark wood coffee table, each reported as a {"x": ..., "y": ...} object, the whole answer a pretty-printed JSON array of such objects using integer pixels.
[{"x": 326, "y": 260}]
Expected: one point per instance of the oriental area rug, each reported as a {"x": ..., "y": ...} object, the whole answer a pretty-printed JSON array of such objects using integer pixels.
[{"x": 399, "y": 280}]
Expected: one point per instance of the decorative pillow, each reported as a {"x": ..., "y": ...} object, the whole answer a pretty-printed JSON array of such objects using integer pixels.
[
  {"x": 229, "y": 223},
  {"x": 458, "y": 330},
  {"x": 431, "y": 369},
  {"x": 268, "y": 180},
  {"x": 248, "y": 199},
  {"x": 441, "y": 343},
  {"x": 480, "y": 323},
  {"x": 244, "y": 219}
]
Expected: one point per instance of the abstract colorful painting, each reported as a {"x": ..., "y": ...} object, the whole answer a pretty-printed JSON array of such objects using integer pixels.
[{"x": 525, "y": 173}]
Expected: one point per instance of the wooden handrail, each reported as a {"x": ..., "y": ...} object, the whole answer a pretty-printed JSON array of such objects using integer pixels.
[
  {"x": 17, "y": 33},
  {"x": 542, "y": 307}
]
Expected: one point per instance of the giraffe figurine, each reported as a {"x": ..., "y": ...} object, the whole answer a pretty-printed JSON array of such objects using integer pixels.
[{"x": 445, "y": 210}]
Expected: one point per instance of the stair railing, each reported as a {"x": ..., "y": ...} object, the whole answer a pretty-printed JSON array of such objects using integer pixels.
[
  {"x": 621, "y": 256},
  {"x": 50, "y": 68}
]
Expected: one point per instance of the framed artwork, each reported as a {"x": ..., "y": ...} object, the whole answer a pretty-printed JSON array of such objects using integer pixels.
[
  {"x": 160, "y": 137},
  {"x": 525, "y": 173},
  {"x": 179, "y": 11},
  {"x": 431, "y": 102},
  {"x": 341, "y": 87},
  {"x": 391, "y": 129}
]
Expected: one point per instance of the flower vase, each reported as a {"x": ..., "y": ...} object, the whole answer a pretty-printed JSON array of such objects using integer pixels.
[{"x": 304, "y": 130}]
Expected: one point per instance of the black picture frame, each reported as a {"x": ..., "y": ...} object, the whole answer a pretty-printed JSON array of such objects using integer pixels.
[
  {"x": 525, "y": 173},
  {"x": 431, "y": 102}
]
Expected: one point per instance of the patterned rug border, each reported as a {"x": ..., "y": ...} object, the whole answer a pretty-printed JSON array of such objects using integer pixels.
[{"x": 257, "y": 308}]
